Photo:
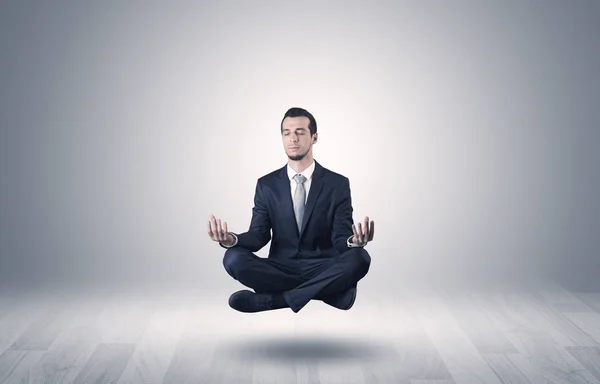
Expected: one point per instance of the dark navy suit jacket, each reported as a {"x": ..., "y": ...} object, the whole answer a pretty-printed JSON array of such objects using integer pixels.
[{"x": 326, "y": 225}]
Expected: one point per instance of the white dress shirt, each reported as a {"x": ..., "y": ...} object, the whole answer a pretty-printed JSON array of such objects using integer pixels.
[{"x": 308, "y": 172}]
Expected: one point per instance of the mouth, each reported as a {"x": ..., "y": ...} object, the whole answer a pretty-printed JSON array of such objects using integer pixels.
[{"x": 294, "y": 147}]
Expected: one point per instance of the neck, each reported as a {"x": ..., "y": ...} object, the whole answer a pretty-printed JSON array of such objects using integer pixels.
[{"x": 301, "y": 165}]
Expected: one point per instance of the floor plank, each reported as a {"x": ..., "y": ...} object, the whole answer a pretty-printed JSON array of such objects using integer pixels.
[
  {"x": 411, "y": 353},
  {"x": 18, "y": 319},
  {"x": 124, "y": 320},
  {"x": 106, "y": 364},
  {"x": 559, "y": 323},
  {"x": 464, "y": 362},
  {"x": 486, "y": 337},
  {"x": 155, "y": 349},
  {"x": 225, "y": 369},
  {"x": 44, "y": 331},
  {"x": 513, "y": 368},
  {"x": 423, "y": 336},
  {"x": 195, "y": 350},
  {"x": 560, "y": 298},
  {"x": 340, "y": 372},
  {"x": 16, "y": 366},
  {"x": 9, "y": 360},
  {"x": 589, "y": 357},
  {"x": 191, "y": 361},
  {"x": 546, "y": 356},
  {"x": 266, "y": 371},
  {"x": 68, "y": 354},
  {"x": 307, "y": 372},
  {"x": 588, "y": 322}
]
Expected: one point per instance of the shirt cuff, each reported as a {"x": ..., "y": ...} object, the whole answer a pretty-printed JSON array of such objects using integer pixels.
[
  {"x": 235, "y": 241},
  {"x": 353, "y": 245}
]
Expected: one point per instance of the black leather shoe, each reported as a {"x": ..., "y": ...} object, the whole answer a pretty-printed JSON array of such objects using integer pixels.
[
  {"x": 343, "y": 300},
  {"x": 248, "y": 301}
]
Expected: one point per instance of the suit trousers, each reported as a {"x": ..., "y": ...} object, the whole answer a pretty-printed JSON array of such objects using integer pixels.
[{"x": 299, "y": 280}]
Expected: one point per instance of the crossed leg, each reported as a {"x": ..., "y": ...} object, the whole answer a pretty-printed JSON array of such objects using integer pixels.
[
  {"x": 298, "y": 287},
  {"x": 343, "y": 273},
  {"x": 261, "y": 274}
]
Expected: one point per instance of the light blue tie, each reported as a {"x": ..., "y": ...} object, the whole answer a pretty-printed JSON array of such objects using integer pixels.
[{"x": 299, "y": 199}]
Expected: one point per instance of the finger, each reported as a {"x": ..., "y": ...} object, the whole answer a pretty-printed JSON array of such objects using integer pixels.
[
  {"x": 213, "y": 228},
  {"x": 221, "y": 236},
  {"x": 210, "y": 232},
  {"x": 366, "y": 226},
  {"x": 225, "y": 230},
  {"x": 372, "y": 231},
  {"x": 355, "y": 238},
  {"x": 360, "y": 233},
  {"x": 218, "y": 229}
]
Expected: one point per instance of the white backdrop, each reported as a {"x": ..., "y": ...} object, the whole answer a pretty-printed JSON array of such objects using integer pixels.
[{"x": 468, "y": 131}]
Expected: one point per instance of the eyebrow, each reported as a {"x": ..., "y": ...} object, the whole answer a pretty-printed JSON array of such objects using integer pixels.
[{"x": 300, "y": 128}]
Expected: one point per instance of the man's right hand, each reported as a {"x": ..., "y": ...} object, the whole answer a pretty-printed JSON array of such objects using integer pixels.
[{"x": 217, "y": 231}]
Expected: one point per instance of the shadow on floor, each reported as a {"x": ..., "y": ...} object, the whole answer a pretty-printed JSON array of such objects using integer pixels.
[{"x": 311, "y": 348}]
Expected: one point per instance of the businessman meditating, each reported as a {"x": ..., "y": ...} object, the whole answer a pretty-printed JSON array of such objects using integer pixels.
[{"x": 316, "y": 251}]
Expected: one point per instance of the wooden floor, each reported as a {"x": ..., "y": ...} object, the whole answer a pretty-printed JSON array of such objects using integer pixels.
[{"x": 541, "y": 334}]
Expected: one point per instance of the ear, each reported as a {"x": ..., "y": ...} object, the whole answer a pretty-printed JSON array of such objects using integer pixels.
[{"x": 314, "y": 138}]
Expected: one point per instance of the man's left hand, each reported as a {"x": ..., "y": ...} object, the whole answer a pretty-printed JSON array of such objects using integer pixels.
[{"x": 362, "y": 235}]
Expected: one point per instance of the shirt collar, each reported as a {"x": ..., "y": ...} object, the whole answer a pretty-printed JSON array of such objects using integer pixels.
[{"x": 306, "y": 173}]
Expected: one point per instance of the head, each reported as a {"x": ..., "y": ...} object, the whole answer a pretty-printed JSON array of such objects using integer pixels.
[{"x": 299, "y": 133}]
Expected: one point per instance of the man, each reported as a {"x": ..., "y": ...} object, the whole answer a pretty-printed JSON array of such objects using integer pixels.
[{"x": 316, "y": 251}]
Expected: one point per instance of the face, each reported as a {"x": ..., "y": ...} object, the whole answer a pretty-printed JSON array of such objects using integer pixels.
[{"x": 297, "y": 141}]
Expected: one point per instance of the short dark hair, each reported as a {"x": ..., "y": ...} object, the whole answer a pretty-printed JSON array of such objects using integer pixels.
[{"x": 299, "y": 112}]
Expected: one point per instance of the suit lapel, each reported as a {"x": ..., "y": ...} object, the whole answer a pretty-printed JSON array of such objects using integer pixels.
[
  {"x": 313, "y": 194},
  {"x": 287, "y": 205}
]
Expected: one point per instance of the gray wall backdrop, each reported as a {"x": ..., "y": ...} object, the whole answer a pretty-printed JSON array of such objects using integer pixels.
[{"x": 468, "y": 129}]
